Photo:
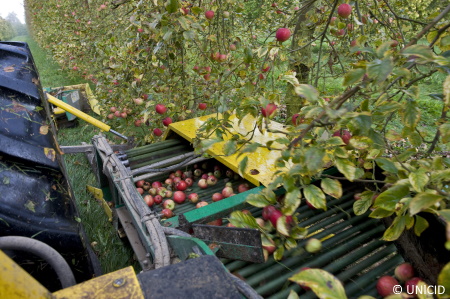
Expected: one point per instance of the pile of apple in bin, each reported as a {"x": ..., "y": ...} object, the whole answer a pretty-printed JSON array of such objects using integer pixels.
[{"x": 191, "y": 188}]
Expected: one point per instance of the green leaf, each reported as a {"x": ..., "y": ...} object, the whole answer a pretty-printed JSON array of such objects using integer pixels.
[
  {"x": 257, "y": 200},
  {"x": 386, "y": 165},
  {"x": 207, "y": 143},
  {"x": 189, "y": 35},
  {"x": 410, "y": 114},
  {"x": 340, "y": 151},
  {"x": 331, "y": 187},
  {"x": 282, "y": 226},
  {"x": 243, "y": 165},
  {"x": 293, "y": 295},
  {"x": 445, "y": 214},
  {"x": 335, "y": 140},
  {"x": 423, "y": 201},
  {"x": 418, "y": 179},
  {"x": 444, "y": 281},
  {"x": 389, "y": 198},
  {"x": 230, "y": 147},
  {"x": 278, "y": 254},
  {"x": 361, "y": 206},
  {"x": 315, "y": 196},
  {"x": 239, "y": 219},
  {"x": 353, "y": 76},
  {"x": 291, "y": 202},
  {"x": 379, "y": 70},
  {"x": 298, "y": 232},
  {"x": 380, "y": 213},
  {"x": 314, "y": 158},
  {"x": 360, "y": 142},
  {"x": 322, "y": 283},
  {"x": 444, "y": 129},
  {"x": 172, "y": 6},
  {"x": 420, "y": 51},
  {"x": 347, "y": 169},
  {"x": 402, "y": 157},
  {"x": 308, "y": 92},
  {"x": 420, "y": 225},
  {"x": 250, "y": 148},
  {"x": 383, "y": 48},
  {"x": 394, "y": 231}
]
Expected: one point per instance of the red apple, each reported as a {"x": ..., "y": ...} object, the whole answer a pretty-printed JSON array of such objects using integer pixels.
[
  {"x": 344, "y": 10},
  {"x": 193, "y": 197},
  {"x": 181, "y": 186},
  {"x": 149, "y": 200},
  {"x": 297, "y": 119},
  {"x": 202, "y": 106},
  {"x": 283, "y": 34},
  {"x": 167, "y": 213},
  {"x": 211, "y": 180},
  {"x": 267, "y": 211},
  {"x": 269, "y": 111},
  {"x": 156, "y": 184},
  {"x": 344, "y": 134},
  {"x": 243, "y": 187},
  {"x": 160, "y": 108},
  {"x": 274, "y": 217},
  {"x": 202, "y": 184},
  {"x": 385, "y": 285},
  {"x": 140, "y": 190},
  {"x": 113, "y": 109},
  {"x": 140, "y": 183},
  {"x": 179, "y": 197},
  {"x": 123, "y": 115},
  {"x": 158, "y": 199},
  {"x": 404, "y": 272},
  {"x": 157, "y": 132},
  {"x": 138, "y": 123},
  {"x": 227, "y": 192},
  {"x": 201, "y": 204},
  {"x": 217, "y": 222},
  {"x": 233, "y": 47},
  {"x": 209, "y": 14},
  {"x": 189, "y": 182},
  {"x": 217, "y": 196},
  {"x": 411, "y": 285},
  {"x": 167, "y": 121}
]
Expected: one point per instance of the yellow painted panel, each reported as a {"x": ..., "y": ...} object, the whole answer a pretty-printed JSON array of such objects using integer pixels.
[
  {"x": 17, "y": 283},
  {"x": 262, "y": 160},
  {"x": 119, "y": 284}
]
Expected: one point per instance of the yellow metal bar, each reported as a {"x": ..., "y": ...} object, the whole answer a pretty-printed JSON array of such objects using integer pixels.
[
  {"x": 119, "y": 284},
  {"x": 78, "y": 113},
  {"x": 17, "y": 283},
  {"x": 58, "y": 110}
]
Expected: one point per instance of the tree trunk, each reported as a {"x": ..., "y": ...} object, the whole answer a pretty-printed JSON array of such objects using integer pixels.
[{"x": 300, "y": 61}]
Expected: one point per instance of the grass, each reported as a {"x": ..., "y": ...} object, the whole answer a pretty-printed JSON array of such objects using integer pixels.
[{"x": 111, "y": 251}]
